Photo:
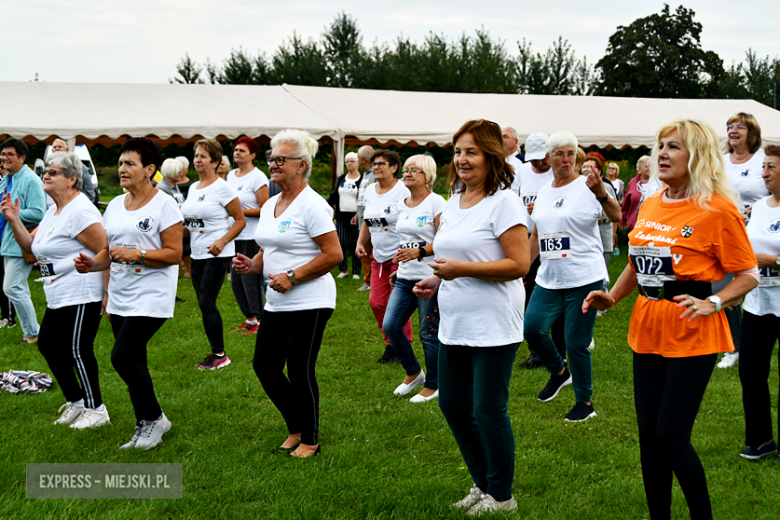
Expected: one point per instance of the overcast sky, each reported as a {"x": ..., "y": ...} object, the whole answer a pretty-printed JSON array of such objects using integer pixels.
[{"x": 142, "y": 41}]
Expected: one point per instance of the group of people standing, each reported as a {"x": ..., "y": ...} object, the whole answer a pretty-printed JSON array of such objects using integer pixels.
[{"x": 514, "y": 253}]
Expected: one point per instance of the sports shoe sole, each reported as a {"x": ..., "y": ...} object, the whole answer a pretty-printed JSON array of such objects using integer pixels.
[
  {"x": 223, "y": 365},
  {"x": 565, "y": 384},
  {"x": 592, "y": 414},
  {"x": 757, "y": 457}
]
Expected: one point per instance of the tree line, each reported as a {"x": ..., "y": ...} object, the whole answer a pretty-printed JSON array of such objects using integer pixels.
[{"x": 655, "y": 56}]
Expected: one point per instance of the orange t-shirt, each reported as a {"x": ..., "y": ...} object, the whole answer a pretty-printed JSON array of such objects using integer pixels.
[{"x": 678, "y": 240}]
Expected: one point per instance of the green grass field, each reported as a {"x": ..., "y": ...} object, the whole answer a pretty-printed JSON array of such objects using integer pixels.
[{"x": 382, "y": 457}]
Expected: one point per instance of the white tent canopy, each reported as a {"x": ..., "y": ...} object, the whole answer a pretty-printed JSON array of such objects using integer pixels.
[{"x": 106, "y": 112}]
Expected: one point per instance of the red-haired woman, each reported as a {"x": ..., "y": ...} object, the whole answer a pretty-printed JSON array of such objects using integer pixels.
[
  {"x": 251, "y": 184},
  {"x": 481, "y": 253}
]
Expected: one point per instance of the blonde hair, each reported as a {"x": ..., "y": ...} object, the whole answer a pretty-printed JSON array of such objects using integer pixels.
[
  {"x": 171, "y": 168},
  {"x": 427, "y": 164},
  {"x": 306, "y": 146},
  {"x": 705, "y": 165}
]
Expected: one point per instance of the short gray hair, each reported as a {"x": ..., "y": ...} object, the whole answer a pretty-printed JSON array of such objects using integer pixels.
[
  {"x": 365, "y": 152},
  {"x": 513, "y": 132},
  {"x": 642, "y": 161},
  {"x": 70, "y": 164},
  {"x": 427, "y": 164},
  {"x": 306, "y": 146},
  {"x": 560, "y": 139},
  {"x": 171, "y": 168},
  {"x": 351, "y": 155},
  {"x": 184, "y": 161}
]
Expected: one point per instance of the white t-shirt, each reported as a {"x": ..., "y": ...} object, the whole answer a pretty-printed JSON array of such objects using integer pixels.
[
  {"x": 55, "y": 246},
  {"x": 416, "y": 228},
  {"x": 764, "y": 233},
  {"x": 348, "y": 195},
  {"x": 515, "y": 161},
  {"x": 288, "y": 243},
  {"x": 247, "y": 187},
  {"x": 618, "y": 185},
  {"x": 746, "y": 178},
  {"x": 476, "y": 312},
  {"x": 137, "y": 289},
  {"x": 531, "y": 182},
  {"x": 207, "y": 219},
  {"x": 381, "y": 215},
  {"x": 569, "y": 240}
]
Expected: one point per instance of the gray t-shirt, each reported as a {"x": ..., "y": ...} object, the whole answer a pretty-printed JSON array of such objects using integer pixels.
[{"x": 606, "y": 229}]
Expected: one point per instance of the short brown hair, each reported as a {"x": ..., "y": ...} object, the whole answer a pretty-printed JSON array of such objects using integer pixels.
[
  {"x": 487, "y": 135},
  {"x": 773, "y": 150},
  {"x": 211, "y": 147},
  {"x": 392, "y": 158},
  {"x": 753, "y": 128}
]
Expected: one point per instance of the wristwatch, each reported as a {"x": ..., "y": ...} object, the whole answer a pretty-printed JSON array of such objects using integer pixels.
[
  {"x": 777, "y": 262},
  {"x": 716, "y": 300},
  {"x": 290, "y": 276},
  {"x": 143, "y": 255},
  {"x": 603, "y": 199},
  {"x": 422, "y": 254}
]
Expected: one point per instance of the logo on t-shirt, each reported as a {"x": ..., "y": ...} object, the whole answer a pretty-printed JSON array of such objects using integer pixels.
[
  {"x": 686, "y": 231},
  {"x": 284, "y": 226},
  {"x": 421, "y": 221},
  {"x": 203, "y": 197},
  {"x": 745, "y": 173},
  {"x": 144, "y": 224},
  {"x": 240, "y": 188},
  {"x": 560, "y": 202},
  {"x": 389, "y": 209},
  {"x": 774, "y": 226}
]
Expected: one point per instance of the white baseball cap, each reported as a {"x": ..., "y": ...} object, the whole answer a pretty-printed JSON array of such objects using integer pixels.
[{"x": 535, "y": 146}]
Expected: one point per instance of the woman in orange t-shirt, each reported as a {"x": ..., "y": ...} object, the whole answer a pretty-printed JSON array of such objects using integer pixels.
[{"x": 685, "y": 237}]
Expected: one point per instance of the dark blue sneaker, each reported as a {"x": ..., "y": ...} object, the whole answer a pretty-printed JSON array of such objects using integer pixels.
[
  {"x": 554, "y": 386},
  {"x": 755, "y": 453},
  {"x": 581, "y": 412}
]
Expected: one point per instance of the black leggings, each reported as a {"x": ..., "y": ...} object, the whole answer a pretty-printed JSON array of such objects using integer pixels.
[
  {"x": 294, "y": 337},
  {"x": 66, "y": 341},
  {"x": 207, "y": 277},
  {"x": 348, "y": 235},
  {"x": 131, "y": 334},
  {"x": 667, "y": 394},
  {"x": 248, "y": 288},
  {"x": 758, "y": 337},
  {"x": 6, "y": 307}
]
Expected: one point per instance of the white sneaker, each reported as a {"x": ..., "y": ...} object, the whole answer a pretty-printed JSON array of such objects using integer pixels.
[
  {"x": 422, "y": 399},
  {"x": 152, "y": 432},
  {"x": 91, "y": 419},
  {"x": 404, "y": 389},
  {"x": 133, "y": 440},
  {"x": 730, "y": 359},
  {"x": 489, "y": 505},
  {"x": 592, "y": 344},
  {"x": 71, "y": 414},
  {"x": 364, "y": 287},
  {"x": 475, "y": 496},
  {"x": 356, "y": 277},
  {"x": 342, "y": 275}
]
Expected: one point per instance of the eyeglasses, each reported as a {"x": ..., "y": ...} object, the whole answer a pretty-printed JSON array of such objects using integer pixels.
[
  {"x": 611, "y": 168},
  {"x": 380, "y": 164},
  {"x": 279, "y": 159},
  {"x": 732, "y": 127},
  {"x": 569, "y": 154},
  {"x": 8, "y": 155},
  {"x": 412, "y": 171},
  {"x": 52, "y": 173}
]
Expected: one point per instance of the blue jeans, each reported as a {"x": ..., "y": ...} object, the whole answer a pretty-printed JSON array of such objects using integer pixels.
[
  {"x": 15, "y": 287},
  {"x": 400, "y": 308},
  {"x": 545, "y": 307}
]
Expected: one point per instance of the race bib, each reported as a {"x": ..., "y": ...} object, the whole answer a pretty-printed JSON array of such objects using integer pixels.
[
  {"x": 46, "y": 266},
  {"x": 117, "y": 267},
  {"x": 769, "y": 277},
  {"x": 554, "y": 246},
  {"x": 377, "y": 225},
  {"x": 653, "y": 265},
  {"x": 529, "y": 197},
  {"x": 194, "y": 223},
  {"x": 414, "y": 245}
]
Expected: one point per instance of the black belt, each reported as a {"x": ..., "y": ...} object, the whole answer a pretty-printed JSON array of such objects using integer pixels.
[{"x": 700, "y": 290}]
